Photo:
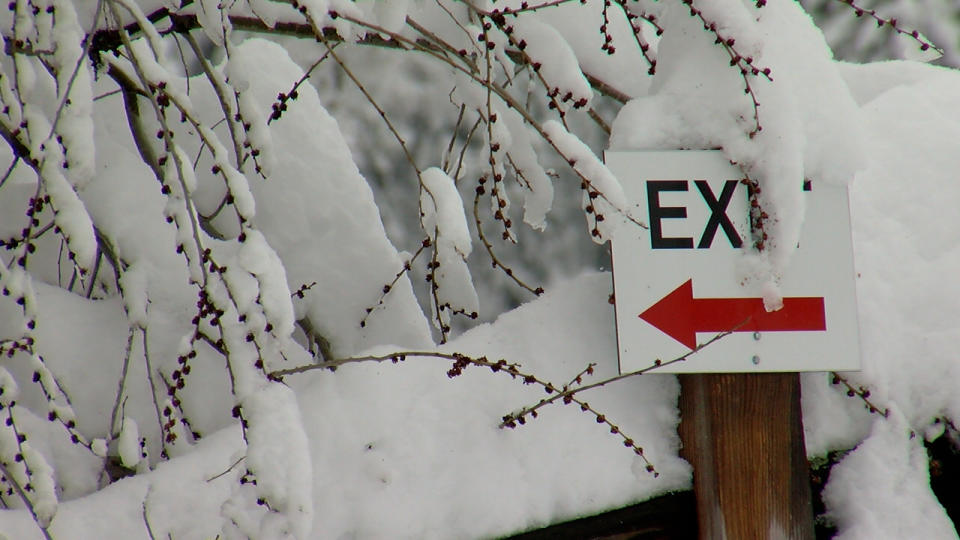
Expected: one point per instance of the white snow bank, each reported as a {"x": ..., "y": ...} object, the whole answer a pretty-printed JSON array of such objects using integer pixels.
[
  {"x": 421, "y": 456},
  {"x": 402, "y": 451}
]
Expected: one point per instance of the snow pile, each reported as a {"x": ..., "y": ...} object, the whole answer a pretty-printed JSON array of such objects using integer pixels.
[
  {"x": 900, "y": 204},
  {"x": 403, "y": 451},
  {"x": 881, "y": 489}
]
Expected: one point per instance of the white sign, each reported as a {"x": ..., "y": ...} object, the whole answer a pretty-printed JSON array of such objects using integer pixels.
[{"x": 683, "y": 280}]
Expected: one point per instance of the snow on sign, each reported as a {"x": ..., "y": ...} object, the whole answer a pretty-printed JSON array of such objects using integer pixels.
[{"x": 684, "y": 280}]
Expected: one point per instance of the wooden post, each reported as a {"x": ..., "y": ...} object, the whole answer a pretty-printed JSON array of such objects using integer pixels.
[{"x": 743, "y": 434}]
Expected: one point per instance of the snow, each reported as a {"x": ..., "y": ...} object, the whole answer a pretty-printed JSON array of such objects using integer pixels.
[
  {"x": 896, "y": 503},
  {"x": 319, "y": 204},
  {"x": 99, "y": 447},
  {"x": 70, "y": 216},
  {"x": 443, "y": 217},
  {"x": 212, "y": 21},
  {"x": 385, "y": 461},
  {"x": 538, "y": 196},
  {"x": 128, "y": 443},
  {"x": 278, "y": 455},
  {"x": 133, "y": 281},
  {"x": 602, "y": 192},
  {"x": 557, "y": 63},
  {"x": 262, "y": 262},
  {"x": 620, "y": 70},
  {"x": 445, "y": 224},
  {"x": 414, "y": 450},
  {"x": 75, "y": 123}
]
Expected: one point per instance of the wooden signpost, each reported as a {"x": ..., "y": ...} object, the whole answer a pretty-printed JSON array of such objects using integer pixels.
[{"x": 684, "y": 280}]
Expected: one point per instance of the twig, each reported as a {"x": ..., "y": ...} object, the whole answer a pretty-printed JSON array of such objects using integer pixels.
[
  {"x": 860, "y": 392},
  {"x": 463, "y": 149},
  {"x": 743, "y": 63},
  {"x": 453, "y": 139},
  {"x": 153, "y": 386},
  {"x": 495, "y": 261},
  {"x": 114, "y": 425},
  {"x": 230, "y": 468},
  {"x": 893, "y": 23},
  {"x": 407, "y": 266},
  {"x": 373, "y": 102},
  {"x": 146, "y": 520},
  {"x": 280, "y": 106},
  {"x": 9, "y": 171},
  {"x": 568, "y": 395},
  {"x": 637, "y": 31},
  {"x": 400, "y": 356},
  {"x": 96, "y": 271}
]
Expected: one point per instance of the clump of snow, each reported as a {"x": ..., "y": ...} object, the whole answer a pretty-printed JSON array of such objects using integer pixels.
[
  {"x": 133, "y": 283},
  {"x": 257, "y": 257},
  {"x": 554, "y": 60},
  {"x": 24, "y": 465},
  {"x": 443, "y": 217},
  {"x": 278, "y": 454},
  {"x": 43, "y": 495},
  {"x": 70, "y": 216},
  {"x": 239, "y": 188},
  {"x": 75, "y": 122},
  {"x": 445, "y": 224},
  {"x": 128, "y": 443},
  {"x": 602, "y": 192},
  {"x": 257, "y": 133},
  {"x": 183, "y": 171},
  {"x": 881, "y": 489},
  {"x": 538, "y": 195},
  {"x": 99, "y": 447}
]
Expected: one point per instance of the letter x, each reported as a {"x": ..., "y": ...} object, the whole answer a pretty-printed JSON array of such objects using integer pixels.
[{"x": 718, "y": 214}]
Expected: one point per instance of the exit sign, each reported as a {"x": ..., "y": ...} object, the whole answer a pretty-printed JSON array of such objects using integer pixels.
[{"x": 684, "y": 279}]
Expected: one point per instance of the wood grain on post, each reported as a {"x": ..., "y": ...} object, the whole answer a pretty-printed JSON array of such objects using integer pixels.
[{"x": 743, "y": 434}]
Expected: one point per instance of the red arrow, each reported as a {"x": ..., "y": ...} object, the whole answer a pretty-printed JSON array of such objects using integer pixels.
[{"x": 681, "y": 316}]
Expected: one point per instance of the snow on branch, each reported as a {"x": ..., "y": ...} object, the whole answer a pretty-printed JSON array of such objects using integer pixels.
[{"x": 445, "y": 224}]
